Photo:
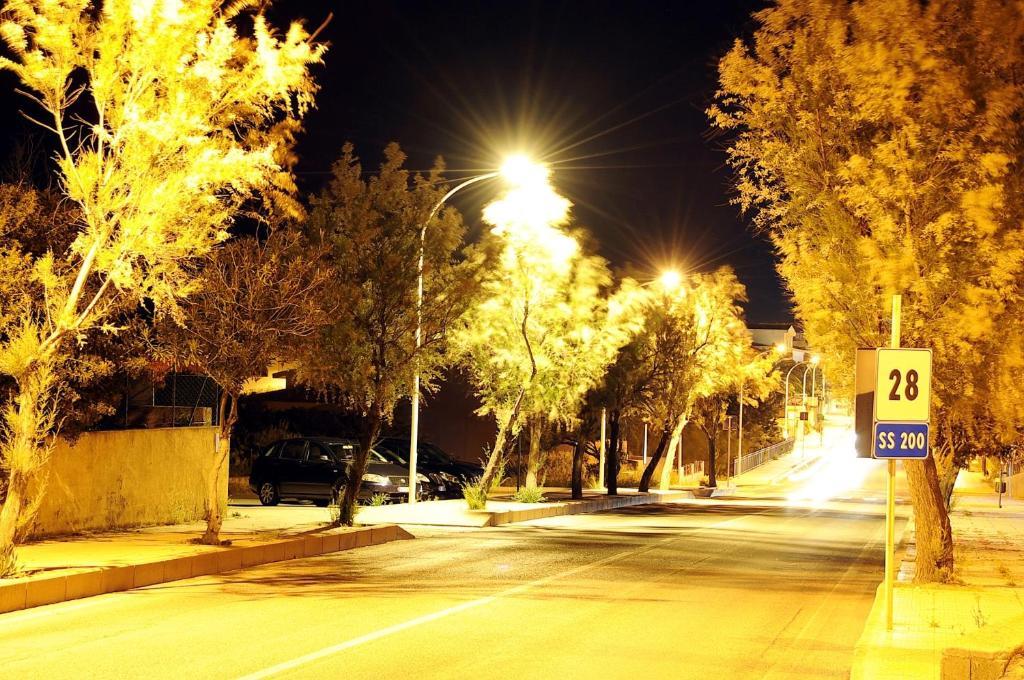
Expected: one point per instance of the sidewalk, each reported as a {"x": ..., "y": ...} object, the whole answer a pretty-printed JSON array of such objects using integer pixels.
[
  {"x": 965, "y": 630},
  {"x": 69, "y": 568}
]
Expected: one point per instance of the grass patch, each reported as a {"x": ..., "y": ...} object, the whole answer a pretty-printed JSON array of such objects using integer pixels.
[{"x": 529, "y": 494}]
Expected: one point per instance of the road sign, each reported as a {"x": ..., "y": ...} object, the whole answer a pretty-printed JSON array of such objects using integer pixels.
[
  {"x": 903, "y": 385},
  {"x": 907, "y": 441}
]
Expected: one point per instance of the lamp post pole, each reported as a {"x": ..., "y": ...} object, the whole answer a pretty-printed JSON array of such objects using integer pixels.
[
  {"x": 414, "y": 422},
  {"x": 785, "y": 405}
]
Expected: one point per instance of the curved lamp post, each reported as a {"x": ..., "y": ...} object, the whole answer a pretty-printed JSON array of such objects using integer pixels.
[
  {"x": 785, "y": 404},
  {"x": 515, "y": 170},
  {"x": 779, "y": 349}
]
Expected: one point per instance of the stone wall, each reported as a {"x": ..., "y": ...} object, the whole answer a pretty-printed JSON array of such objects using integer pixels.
[{"x": 126, "y": 478}]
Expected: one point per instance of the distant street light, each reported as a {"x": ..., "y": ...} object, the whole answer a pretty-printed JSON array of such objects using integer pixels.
[
  {"x": 785, "y": 404},
  {"x": 518, "y": 171},
  {"x": 780, "y": 349}
]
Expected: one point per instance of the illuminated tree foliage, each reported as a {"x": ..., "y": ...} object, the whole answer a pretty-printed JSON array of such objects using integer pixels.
[
  {"x": 369, "y": 230},
  {"x": 256, "y": 304},
  {"x": 879, "y": 144},
  {"x": 696, "y": 344},
  {"x": 179, "y": 121},
  {"x": 546, "y": 327}
]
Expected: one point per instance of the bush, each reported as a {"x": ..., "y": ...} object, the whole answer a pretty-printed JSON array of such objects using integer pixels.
[
  {"x": 529, "y": 494},
  {"x": 630, "y": 474},
  {"x": 475, "y": 495}
]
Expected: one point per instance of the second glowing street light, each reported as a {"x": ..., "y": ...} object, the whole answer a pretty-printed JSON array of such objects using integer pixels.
[{"x": 517, "y": 171}]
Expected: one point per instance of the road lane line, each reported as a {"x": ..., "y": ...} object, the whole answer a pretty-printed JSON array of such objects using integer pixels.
[
  {"x": 305, "y": 659},
  {"x": 427, "y": 618}
]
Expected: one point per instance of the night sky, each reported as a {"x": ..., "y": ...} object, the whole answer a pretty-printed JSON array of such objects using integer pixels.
[{"x": 611, "y": 94}]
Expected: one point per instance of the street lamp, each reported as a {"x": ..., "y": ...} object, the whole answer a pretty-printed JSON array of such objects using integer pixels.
[
  {"x": 518, "y": 171},
  {"x": 785, "y": 404},
  {"x": 780, "y": 349}
]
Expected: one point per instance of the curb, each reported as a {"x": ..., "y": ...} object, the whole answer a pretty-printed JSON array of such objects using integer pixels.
[
  {"x": 42, "y": 590},
  {"x": 984, "y": 655},
  {"x": 583, "y": 507}
]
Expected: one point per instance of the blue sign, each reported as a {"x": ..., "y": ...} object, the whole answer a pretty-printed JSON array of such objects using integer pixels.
[{"x": 900, "y": 440}]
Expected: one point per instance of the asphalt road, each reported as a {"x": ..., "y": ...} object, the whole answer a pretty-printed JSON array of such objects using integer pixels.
[{"x": 776, "y": 585}]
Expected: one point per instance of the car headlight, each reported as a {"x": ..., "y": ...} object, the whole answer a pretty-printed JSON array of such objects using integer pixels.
[
  {"x": 420, "y": 477},
  {"x": 376, "y": 479}
]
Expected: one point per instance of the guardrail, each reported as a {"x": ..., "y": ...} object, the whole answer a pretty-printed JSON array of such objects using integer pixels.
[
  {"x": 762, "y": 456},
  {"x": 695, "y": 469}
]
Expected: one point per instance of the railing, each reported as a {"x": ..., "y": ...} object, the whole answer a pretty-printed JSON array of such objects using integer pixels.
[
  {"x": 762, "y": 456},
  {"x": 695, "y": 469}
]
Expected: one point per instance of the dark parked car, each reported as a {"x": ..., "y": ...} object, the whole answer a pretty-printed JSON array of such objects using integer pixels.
[
  {"x": 446, "y": 474},
  {"x": 316, "y": 468}
]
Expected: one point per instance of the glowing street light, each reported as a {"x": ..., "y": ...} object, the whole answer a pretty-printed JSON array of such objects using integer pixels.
[
  {"x": 522, "y": 175},
  {"x": 670, "y": 280}
]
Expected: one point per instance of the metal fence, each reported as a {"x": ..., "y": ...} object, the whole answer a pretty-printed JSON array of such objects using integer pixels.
[
  {"x": 695, "y": 469},
  {"x": 762, "y": 456},
  {"x": 181, "y": 400}
]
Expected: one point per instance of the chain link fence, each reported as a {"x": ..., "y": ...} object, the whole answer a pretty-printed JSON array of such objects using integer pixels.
[{"x": 182, "y": 400}]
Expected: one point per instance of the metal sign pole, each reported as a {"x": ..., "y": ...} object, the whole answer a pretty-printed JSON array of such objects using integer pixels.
[{"x": 890, "y": 490}]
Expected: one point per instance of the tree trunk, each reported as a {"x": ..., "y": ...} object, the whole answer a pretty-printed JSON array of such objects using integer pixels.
[
  {"x": 215, "y": 501},
  {"x": 934, "y": 535},
  {"x": 24, "y": 452},
  {"x": 533, "y": 460},
  {"x": 578, "y": 453},
  {"x": 498, "y": 452},
  {"x": 712, "y": 458},
  {"x": 611, "y": 468},
  {"x": 9, "y": 515},
  {"x": 645, "y": 478},
  {"x": 371, "y": 430},
  {"x": 673, "y": 447}
]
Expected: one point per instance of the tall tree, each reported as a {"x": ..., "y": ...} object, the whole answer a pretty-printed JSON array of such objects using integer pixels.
[
  {"x": 186, "y": 122},
  {"x": 547, "y": 325},
  {"x": 698, "y": 341},
  {"x": 879, "y": 144},
  {"x": 256, "y": 304},
  {"x": 370, "y": 232}
]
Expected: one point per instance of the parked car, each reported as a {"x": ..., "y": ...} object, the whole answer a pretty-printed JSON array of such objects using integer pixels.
[
  {"x": 317, "y": 468},
  {"x": 446, "y": 474}
]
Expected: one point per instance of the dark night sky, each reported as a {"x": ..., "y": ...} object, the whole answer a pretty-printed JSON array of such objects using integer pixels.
[{"x": 611, "y": 94}]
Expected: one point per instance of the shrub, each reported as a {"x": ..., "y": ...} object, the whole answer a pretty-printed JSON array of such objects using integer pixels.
[
  {"x": 475, "y": 495},
  {"x": 529, "y": 494}
]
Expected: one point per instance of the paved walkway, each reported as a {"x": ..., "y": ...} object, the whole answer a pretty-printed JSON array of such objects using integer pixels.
[
  {"x": 983, "y": 611},
  {"x": 243, "y": 526}
]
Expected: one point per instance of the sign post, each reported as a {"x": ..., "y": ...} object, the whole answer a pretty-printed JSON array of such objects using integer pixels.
[{"x": 902, "y": 400}]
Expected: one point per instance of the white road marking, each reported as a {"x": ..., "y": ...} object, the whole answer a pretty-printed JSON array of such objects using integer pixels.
[
  {"x": 305, "y": 659},
  {"x": 427, "y": 618}
]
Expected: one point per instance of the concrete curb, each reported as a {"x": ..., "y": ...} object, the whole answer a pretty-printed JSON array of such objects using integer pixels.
[
  {"x": 583, "y": 507},
  {"x": 36, "y": 591},
  {"x": 983, "y": 655},
  {"x": 862, "y": 649}
]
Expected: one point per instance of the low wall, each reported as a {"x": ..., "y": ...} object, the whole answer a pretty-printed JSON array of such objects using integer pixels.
[{"x": 126, "y": 478}]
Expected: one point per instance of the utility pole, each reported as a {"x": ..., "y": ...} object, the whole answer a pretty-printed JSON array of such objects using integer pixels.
[{"x": 600, "y": 462}]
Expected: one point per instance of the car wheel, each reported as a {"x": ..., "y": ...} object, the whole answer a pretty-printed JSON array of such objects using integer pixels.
[
  {"x": 268, "y": 494},
  {"x": 321, "y": 502}
]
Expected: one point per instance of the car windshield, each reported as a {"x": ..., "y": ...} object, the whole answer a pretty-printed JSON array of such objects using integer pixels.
[
  {"x": 398, "y": 450},
  {"x": 347, "y": 451},
  {"x": 342, "y": 450},
  {"x": 392, "y": 455}
]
